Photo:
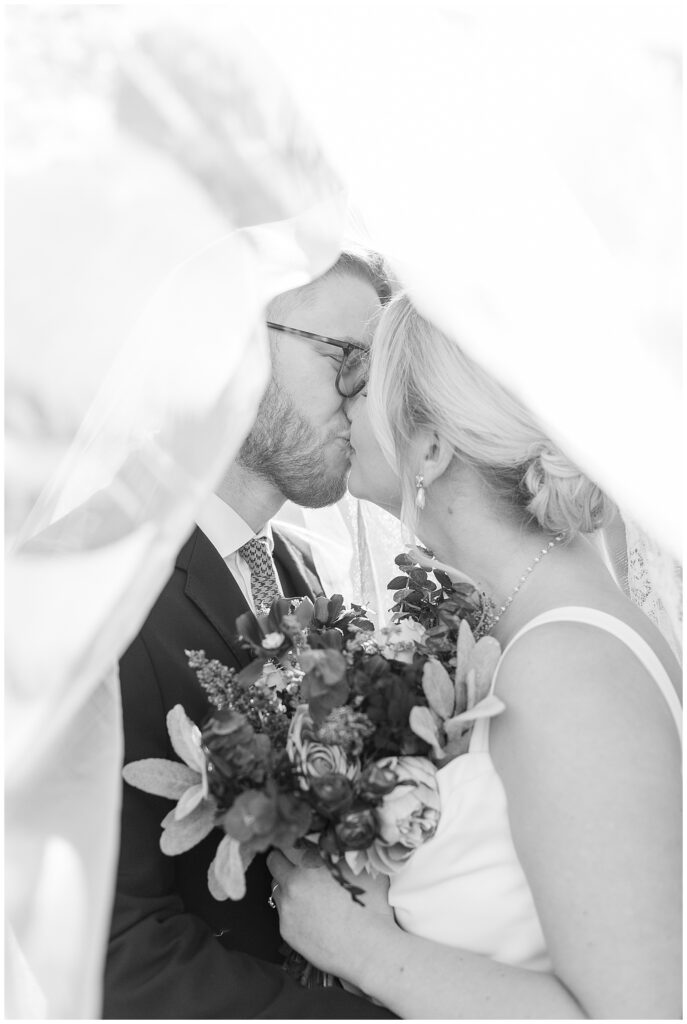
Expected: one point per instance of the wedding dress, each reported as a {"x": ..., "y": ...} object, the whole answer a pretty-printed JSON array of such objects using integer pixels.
[{"x": 465, "y": 887}]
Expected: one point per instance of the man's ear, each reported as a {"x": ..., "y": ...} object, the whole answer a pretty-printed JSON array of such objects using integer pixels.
[{"x": 433, "y": 455}]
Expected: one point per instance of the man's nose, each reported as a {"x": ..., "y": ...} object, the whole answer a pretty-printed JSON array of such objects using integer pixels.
[{"x": 348, "y": 405}]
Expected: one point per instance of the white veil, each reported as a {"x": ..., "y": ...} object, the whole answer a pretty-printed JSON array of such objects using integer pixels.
[
  {"x": 517, "y": 165},
  {"x": 261, "y": 212}
]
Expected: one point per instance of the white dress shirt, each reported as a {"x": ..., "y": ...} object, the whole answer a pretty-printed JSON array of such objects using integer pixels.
[{"x": 227, "y": 531}]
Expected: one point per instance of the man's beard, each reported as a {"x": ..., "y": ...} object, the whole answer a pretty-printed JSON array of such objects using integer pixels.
[{"x": 284, "y": 448}]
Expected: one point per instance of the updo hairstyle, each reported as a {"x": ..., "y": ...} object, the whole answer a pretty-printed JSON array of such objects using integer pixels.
[{"x": 419, "y": 378}]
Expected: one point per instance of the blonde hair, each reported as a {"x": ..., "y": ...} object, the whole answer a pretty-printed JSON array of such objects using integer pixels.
[{"x": 419, "y": 378}]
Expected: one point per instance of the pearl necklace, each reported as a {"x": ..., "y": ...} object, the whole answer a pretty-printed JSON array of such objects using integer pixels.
[{"x": 489, "y": 616}]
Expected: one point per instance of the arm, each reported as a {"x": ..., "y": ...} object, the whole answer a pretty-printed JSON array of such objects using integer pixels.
[
  {"x": 590, "y": 762},
  {"x": 414, "y": 977},
  {"x": 164, "y": 961}
]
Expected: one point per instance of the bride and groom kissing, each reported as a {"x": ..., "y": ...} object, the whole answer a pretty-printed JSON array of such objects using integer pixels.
[{"x": 550, "y": 887}]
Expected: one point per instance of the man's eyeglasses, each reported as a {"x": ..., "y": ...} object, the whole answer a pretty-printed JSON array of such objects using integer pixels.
[{"x": 351, "y": 376}]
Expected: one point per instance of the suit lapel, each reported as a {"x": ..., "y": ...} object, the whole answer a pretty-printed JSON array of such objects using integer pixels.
[
  {"x": 213, "y": 589},
  {"x": 296, "y": 578}
]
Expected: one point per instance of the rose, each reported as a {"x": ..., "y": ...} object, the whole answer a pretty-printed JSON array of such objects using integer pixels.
[
  {"x": 313, "y": 759},
  {"x": 333, "y": 793},
  {"x": 399, "y": 641},
  {"x": 408, "y": 816},
  {"x": 356, "y": 829},
  {"x": 346, "y": 728},
  {"x": 378, "y": 859},
  {"x": 376, "y": 781}
]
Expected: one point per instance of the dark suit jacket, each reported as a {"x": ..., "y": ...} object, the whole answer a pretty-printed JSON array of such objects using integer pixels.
[{"x": 174, "y": 950}]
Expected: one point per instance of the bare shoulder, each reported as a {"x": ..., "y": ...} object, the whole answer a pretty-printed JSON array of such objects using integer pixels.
[
  {"x": 590, "y": 761},
  {"x": 570, "y": 672}
]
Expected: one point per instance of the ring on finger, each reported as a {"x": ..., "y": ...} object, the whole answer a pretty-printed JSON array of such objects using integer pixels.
[{"x": 270, "y": 901}]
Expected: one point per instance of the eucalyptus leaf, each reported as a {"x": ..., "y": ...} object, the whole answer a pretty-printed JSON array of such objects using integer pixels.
[
  {"x": 321, "y": 610},
  {"x": 365, "y": 625},
  {"x": 161, "y": 777},
  {"x": 248, "y": 626},
  {"x": 304, "y": 613},
  {"x": 397, "y": 583},
  {"x": 278, "y": 609}
]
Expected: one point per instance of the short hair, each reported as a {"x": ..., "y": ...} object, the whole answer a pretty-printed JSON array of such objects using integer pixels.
[
  {"x": 368, "y": 266},
  {"x": 361, "y": 263},
  {"x": 420, "y": 378}
]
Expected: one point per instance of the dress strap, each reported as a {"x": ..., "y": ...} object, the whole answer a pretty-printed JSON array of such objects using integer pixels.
[{"x": 602, "y": 620}]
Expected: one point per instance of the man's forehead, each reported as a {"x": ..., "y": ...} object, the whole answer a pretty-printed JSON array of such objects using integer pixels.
[{"x": 341, "y": 306}]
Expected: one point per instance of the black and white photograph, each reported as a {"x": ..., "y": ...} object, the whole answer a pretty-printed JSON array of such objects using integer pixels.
[{"x": 343, "y": 510}]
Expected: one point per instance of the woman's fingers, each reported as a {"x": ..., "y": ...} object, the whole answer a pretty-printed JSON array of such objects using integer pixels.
[
  {"x": 293, "y": 854},
  {"x": 280, "y": 867}
]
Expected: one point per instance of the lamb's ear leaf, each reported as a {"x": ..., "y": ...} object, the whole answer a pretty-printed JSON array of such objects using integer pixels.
[
  {"x": 464, "y": 648},
  {"x": 484, "y": 659},
  {"x": 488, "y": 707},
  {"x": 184, "y": 736},
  {"x": 161, "y": 777},
  {"x": 189, "y": 801},
  {"x": 227, "y": 873},
  {"x": 180, "y": 835},
  {"x": 424, "y": 725},
  {"x": 438, "y": 688}
]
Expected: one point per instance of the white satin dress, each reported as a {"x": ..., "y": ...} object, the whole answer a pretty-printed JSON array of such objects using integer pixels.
[{"x": 465, "y": 887}]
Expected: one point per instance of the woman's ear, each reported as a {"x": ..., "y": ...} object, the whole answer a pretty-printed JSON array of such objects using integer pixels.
[{"x": 432, "y": 455}]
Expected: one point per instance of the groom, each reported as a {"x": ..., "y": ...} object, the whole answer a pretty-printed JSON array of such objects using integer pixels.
[{"x": 175, "y": 951}]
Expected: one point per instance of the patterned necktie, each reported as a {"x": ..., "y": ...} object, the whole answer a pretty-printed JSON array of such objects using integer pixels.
[{"x": 264, "y": 583}]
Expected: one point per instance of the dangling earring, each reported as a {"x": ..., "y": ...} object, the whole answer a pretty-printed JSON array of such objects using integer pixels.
[{"x": 420, "y": 492}]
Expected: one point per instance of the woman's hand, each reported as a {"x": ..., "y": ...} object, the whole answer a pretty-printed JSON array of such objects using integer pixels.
[{"x": 319, "y": 918}]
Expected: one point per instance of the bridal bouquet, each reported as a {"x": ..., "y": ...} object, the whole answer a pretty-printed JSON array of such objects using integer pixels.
[{"x": 331, "y": 737}]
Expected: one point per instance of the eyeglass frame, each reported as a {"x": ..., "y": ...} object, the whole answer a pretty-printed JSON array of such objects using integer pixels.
[{"x": 346, "y": 347}]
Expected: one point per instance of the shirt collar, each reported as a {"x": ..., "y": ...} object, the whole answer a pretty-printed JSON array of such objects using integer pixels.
[{"x": 225, "y": 528}]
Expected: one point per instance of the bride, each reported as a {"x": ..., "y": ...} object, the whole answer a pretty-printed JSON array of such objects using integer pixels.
[{"x": 552, "y": 886}]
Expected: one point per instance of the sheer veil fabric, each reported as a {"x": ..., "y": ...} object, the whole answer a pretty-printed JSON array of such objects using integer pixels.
[
  {"x": 518, "y": 167},
  {"x": 171, "y": 404}
]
